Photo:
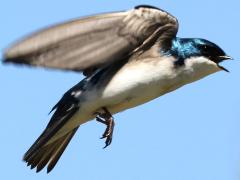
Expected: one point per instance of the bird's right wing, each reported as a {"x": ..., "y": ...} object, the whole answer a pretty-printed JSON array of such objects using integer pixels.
[{"x": 94, "y": 41}]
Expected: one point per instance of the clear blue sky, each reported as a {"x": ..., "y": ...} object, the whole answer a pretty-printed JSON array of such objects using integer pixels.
[{"x": 190, "y": 134}]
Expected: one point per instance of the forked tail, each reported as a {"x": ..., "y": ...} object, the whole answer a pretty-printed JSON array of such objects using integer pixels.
[
  {"x": 47, "y": 154},
  {"x": 45, "y": 150}
]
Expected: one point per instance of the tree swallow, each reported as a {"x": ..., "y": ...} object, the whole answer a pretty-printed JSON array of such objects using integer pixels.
[{"x": 128, "y": 58}]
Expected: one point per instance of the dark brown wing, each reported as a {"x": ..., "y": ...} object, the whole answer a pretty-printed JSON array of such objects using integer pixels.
[{"x": 89, "y": 43}]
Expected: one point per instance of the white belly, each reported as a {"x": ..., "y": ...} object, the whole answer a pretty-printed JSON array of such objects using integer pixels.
[{"x": 135, "y": 84}]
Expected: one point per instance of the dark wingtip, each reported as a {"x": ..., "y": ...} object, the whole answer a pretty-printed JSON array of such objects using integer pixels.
[
  {"x": 146, "y": 6},
  {"x": 7, "y": 60},
  {"x": 10, "y": 57}
]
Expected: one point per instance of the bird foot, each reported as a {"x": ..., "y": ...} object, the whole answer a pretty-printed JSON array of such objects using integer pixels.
[{"x": 107, "y": 119}]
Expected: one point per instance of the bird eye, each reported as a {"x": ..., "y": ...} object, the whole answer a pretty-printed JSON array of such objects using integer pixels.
[{"x": 204, "y": 47}]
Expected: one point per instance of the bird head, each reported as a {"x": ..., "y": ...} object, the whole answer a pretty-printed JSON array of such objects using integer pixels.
[{"x": 187, "y": 48}]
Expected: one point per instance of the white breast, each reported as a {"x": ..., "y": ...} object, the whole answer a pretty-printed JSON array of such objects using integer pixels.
[{"x": 141, "y": 81}]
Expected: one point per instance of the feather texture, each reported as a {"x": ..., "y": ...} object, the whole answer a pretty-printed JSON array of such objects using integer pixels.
[{"x": 49, "y": 154}]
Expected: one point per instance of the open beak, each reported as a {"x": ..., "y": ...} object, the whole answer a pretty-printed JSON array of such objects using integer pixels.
[
  {"x": 222, "y": 58},
  {"x": 225, "y": 57}
]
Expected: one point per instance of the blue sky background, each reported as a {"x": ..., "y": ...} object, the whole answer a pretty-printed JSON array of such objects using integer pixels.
[{"x": 190, "y": 134}]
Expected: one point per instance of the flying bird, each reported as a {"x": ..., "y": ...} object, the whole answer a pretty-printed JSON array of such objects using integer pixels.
[{"x": 128, "y": 58}]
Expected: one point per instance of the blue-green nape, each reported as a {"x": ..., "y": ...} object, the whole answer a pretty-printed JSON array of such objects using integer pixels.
[{"x": 183, "y": 48}]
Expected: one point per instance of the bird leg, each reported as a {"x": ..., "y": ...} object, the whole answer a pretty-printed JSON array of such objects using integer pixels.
[{"x": 107, "y": 119}]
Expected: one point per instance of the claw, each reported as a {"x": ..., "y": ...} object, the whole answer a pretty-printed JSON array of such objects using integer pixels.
[
  {"x": 101, "y": 120},
  {"x": 108, "y": 120}
]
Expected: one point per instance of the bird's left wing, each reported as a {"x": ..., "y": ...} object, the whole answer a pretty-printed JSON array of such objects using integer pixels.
[{"x": 93, "y": 41}]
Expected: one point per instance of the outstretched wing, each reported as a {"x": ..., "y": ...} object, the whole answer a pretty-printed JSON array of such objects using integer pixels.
[{"x": 94, "y": 41}]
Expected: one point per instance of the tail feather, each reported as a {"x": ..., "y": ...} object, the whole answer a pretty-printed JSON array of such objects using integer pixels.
[
  {"x": 59, "y": 151},
  {"x": 45, "y": 159},
  {"x": 40, "y": 156},
  {"x": 51, "y": 129},
  {"x": 46, "y": 150},
  {"x": 48, "y": 154}
]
